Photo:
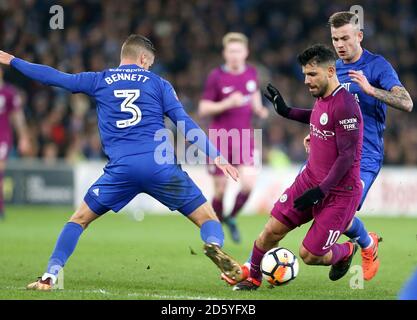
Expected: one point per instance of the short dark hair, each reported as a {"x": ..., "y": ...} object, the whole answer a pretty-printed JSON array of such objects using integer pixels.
[
  {"x": 318, "y": 53},
  {"x": 339, "y": 19},
  {"x": 134, "y": 43}
]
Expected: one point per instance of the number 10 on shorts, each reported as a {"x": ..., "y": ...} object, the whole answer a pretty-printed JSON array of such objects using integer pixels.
[{"x": 331, "y": 240}]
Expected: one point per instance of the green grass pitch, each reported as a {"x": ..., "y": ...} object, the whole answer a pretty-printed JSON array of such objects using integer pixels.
[{"x": 119, "y": 258}]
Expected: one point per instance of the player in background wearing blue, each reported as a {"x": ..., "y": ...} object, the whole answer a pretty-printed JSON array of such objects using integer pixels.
[
  {"x": 131, "y": 104},
  {"x": 409, "y": 291},
  {"x": 375, "y": 84}
]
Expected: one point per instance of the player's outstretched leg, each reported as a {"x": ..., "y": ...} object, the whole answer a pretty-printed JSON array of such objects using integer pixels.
[
  {"x": 64, "y": 247},
  {"x": 273, "y": 232},
  {"x": 212, "y": 234},
  {"x": 369, "y": 242}
]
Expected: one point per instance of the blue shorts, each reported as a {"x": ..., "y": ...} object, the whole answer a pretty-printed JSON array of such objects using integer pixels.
[
  {"x": 368, "y": 176},
  {"x": 128, "y": 176}
]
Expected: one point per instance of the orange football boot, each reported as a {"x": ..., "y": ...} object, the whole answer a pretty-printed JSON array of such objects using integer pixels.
[{"x": 370, "y": 260}]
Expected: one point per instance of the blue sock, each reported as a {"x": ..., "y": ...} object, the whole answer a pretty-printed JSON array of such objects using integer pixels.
[
  {"x": 358, "y": 231},
  {"x": 211, "y": 232},
  {"x": 409, "y": 291},
  {"x": 64, "y": 247}
]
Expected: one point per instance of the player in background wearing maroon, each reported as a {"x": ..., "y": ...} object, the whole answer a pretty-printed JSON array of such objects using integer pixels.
[
  {"x": 11, "y": 114},
  {"x": 231, "y": 97},
  {"x": 329, "y": 189}
]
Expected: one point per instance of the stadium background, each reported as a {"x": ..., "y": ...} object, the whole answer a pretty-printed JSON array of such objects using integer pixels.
[
  {"x": 187, "y": 35},
  {"x": 63, "y": 127},
  {"x": 120, "y": 259}
]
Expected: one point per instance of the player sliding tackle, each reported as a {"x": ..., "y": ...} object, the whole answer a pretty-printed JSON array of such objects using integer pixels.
[
  {"x": 131, "y": 105},
  {"x": 328, "y": 191}
]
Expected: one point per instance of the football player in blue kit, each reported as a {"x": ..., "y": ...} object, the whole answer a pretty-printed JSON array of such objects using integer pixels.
[
  {"x": 375, "y": 85},
  {"x": 131, "y": 105}
]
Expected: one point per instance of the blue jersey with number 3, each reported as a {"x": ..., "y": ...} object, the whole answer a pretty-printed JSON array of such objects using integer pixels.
[
  {"x": 380, "y": 74},
  {"x": 131, "y": 103}
]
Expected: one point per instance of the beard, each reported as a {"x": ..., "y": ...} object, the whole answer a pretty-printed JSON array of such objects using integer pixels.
[{"x": 320, "y": 93}]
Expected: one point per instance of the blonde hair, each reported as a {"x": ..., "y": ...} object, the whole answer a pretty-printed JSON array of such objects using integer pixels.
[
  {"x": 235, "y": 37},
  {"x": 134, "y": 44},
  {"x": 339, "y": 19}
]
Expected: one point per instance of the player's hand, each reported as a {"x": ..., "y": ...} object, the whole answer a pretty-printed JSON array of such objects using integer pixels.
[
  {"x": 278, "y": 102},
  {"x": 263, "y": 113},
  {"x": 227, "y": 168},
  {"x": 362, "y": 81},
  {"x": 24, "y": 145},
  {"x": 309, "y": 198},
  {"x": 234, "y": 100},
  {"x": 307, "y": 143},
  {"x": 5, "y": 58}
]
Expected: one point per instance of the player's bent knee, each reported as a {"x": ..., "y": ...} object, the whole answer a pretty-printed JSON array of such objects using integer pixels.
[
  {"x": 269, "y": 236},
  {"x": 308, "y": 257},
  {"x": 81, "y": 220},
  {"x": 83, "y": 216}
]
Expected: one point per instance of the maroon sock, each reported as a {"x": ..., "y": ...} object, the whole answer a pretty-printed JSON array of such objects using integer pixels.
[
  {"x": 240, "y": 201},
  {"x": 255, "y": 262},
  {"x": 340, "y": 252},
  {"x": 218, "y": 208}
]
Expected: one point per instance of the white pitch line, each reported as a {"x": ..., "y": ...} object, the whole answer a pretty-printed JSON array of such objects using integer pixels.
[{"x": 132, "y": 294}]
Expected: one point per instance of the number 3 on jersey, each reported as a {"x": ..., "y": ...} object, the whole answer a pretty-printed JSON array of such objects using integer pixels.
[{"x": 127, "y": 106}]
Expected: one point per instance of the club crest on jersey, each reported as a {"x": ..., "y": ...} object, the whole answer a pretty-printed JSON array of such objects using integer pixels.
[
  {"x": 283, "y": 198},
  {"x": 324, "y": 118},
  {"x": 251, "y": 85}
]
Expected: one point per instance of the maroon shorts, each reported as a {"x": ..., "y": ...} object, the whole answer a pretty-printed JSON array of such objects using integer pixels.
[
  {"x": 236, "y": 157},
  {"x": 331, "y": 216}
]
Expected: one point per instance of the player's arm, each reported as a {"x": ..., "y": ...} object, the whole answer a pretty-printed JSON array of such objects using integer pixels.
[
  {"x": 210, "y": 108},
  {"x": 175, "y": 111},
  {"x": 211, "y": 105},
  {"x": 18, "y": 120},
  {"x": 398, "y": 98},
  {"x": 80, "y": 82},
  {"x": 185, "y": 124},
  {"x": 19, "y": 124},
  {"x": 347, "y": 138},
  {"x": 257, "y": 106},
  {"x": 391, "y": 90},
  {"x": 300, "y": 115}
]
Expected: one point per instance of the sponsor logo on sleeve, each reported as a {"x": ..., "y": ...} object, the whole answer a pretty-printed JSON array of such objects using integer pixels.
[{"x": 349, "y": 124}]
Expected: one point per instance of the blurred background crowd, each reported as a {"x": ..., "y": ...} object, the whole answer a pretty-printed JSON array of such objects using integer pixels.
[{"x": 187, "y": 35}]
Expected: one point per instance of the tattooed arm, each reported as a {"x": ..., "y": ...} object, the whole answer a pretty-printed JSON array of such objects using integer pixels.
[{"x": 397, "y": 97}]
